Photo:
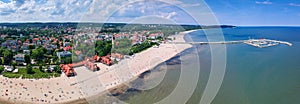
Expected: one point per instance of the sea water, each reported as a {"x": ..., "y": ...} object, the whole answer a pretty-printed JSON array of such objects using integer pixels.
[{"x": 252, "y": 75}]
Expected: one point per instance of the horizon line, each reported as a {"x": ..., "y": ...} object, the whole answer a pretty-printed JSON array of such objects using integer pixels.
[{"x": 146, "y": 23}]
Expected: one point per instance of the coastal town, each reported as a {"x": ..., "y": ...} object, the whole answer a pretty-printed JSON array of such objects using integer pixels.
[
  {"x": 65, "y": 62},
  {"x": 56, "y": 62},
  {"x": 65, "y": 48}
]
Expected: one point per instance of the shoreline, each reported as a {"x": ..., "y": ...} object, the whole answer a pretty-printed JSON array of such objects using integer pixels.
[{"x": 81, "y": 88}]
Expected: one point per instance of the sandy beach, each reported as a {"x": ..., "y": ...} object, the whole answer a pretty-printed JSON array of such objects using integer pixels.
[{"x": 87, "y": 83}]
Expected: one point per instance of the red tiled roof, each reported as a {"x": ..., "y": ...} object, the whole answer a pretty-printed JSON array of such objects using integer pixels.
[
  {"x": 35, "y": 39},
  {"x": 67, "y": 69},
  {"x": 67, "y": 48}
]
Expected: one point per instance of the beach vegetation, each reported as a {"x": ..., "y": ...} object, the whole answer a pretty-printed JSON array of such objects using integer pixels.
[
  {"x": 27, "y": 59},
  {"x": 35, "y": 73},
  {"x": 14, "y": 64},
  {"x": 57, "y": 69},
  {"x": 140, "y": 47},
  {"x": 1, "y": 69},
  {"x": 11, "y": 75},
  {"x": 122, "y": 46},
  {"x": 29, "y": 69},
  {"x": 41, "y": 68}
]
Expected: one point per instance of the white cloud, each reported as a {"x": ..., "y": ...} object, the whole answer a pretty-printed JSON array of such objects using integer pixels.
[
  {"x": 43, "y": 10},
  {"x": 190, "y": 5},
  {"x": 293, "y": 4},
  {"x": 7, "y": 8},
  {"x": 264, "y": 2},
  {"x": 167, "y": 15},
  {"x": 89, "y": 10}
]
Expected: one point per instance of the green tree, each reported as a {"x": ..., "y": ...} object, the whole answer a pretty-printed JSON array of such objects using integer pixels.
[
  {"x": 14, "y": 65},
  {"x": 2, "y": 60},
  {"x": 57, "y": 69},
  {"x": 31, "y": 47},
  {"x": 27, "y": 59},
  {"x": 48, "y": 60},
  {"x": 29, "y": 69},
  {"x": 74, "y": 58},
  {"x": 38, "y": 54},
  {"x": 8, "y": 56},
  {"x": 1, "y": 69},
  {"x": 1, "y": 51},
  {"x": 41, "y": 68},
  {"x": 103, "y": 47},
  {"x": 123, "y": 46}
]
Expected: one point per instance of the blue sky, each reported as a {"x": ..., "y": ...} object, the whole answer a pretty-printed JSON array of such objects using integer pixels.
[
  {"x": 233, "y": 12},
  {"x": 256, "y": 12}
]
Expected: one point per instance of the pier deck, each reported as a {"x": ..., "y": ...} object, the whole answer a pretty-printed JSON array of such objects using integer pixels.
[{"x": 261, "y": 43}]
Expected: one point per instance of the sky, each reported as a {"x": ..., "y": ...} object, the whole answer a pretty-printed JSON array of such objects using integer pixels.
[{"x": 207, "y": 12}]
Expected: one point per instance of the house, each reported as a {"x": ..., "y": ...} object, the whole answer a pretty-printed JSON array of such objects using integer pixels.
[
  {"x": 68, "y": 69},
  {"x": 97, "y": 58},
  {"x": 117, "y": 56},
  {"x": 4, "y": 36},
  {"x": 35, "y": 40},
  {"x": 50, "y": 47},
  {"x": 155, "y": 36},
  {"x": 67, "y": 48},
  {"x": 4, "y": 44},
  {"x": 26, "y": 52},
  {"x": 65, "y": 44},
  {"x": 24, "y": 47},
  {"x": 39, "y": 43},
  {"x": 64, "y": 54},
  {"x": 106, "y": 60},
  {"x": 91, "y": 66},
  {"x": 19, "y": 58},
  {"x": 14, "y": 48}
]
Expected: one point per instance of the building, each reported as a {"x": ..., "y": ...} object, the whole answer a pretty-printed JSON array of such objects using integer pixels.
[
  {"x": 67, "y": 48},
  {"x": 19, "y": 58},
  {"x": 63, "y": 54},
  {"x": 26, "y": 52},
  {"x": 65, "y": 44},
  {"x": 91, "y": 66},
  {"x": 50, "y": 47},
  {"x": 68, "y": 70},
  {"x": 117, "y": 56},
  {"x": 155, "y": 36}
]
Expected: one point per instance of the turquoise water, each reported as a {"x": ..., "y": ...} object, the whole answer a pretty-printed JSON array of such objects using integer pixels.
[{"x": 253, "y": 75}]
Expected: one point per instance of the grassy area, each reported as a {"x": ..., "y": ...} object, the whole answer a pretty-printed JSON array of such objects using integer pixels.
[
  {"x": 141, "y": 47},
  {"x": 35, "y": 75}
]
